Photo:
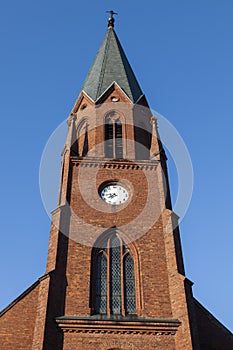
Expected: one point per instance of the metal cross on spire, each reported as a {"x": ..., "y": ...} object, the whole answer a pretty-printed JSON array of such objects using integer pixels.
[{"x": 111, "y": 19}]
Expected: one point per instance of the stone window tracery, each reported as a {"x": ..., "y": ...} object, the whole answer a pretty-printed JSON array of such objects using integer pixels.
[{"x": 113, "y": 281}]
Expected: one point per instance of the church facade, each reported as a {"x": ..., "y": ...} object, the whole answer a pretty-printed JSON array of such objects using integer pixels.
[{"x": 115, "y": 277}]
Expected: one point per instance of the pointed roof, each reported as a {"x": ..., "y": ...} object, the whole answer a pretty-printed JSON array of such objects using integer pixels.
[{"x": 111, "y": 65}]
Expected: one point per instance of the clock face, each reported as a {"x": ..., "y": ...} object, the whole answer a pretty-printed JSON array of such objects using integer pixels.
[{"x": 114, "y": 194}]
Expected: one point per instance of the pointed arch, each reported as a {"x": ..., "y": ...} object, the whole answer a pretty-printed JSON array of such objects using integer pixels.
[
  {"x": 113, "y": 278},
  {"x": 113, "y": 136},
  {"x": 82, "y": 138}
]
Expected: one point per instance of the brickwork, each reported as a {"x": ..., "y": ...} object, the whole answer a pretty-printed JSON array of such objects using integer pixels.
[
  {"x": 74, "y": 341},
  {"x": 41, "y": 310},
  {"x": 176, "y": 286},
  {"x": 152, "y": 281},
  {"x": 18, "y": 320},
  {"x": 58, "y": 313}
]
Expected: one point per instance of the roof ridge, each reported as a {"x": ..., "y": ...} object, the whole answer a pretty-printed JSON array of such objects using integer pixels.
[
  {"x": 111, "y": 64},
  {"x": 102, "y": 71},
  {"x": 122, "y": 53},
  {"x": 123, "y": 57}
]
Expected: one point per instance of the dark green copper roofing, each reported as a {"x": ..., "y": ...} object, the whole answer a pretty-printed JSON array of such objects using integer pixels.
[{"x": 111, "y": 65}]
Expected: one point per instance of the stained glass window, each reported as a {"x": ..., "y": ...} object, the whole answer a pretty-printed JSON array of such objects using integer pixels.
[
  {"x": 129, "y": 285},
  {"x": 114, "y": 279},
  {"x": 101, "y": 285},
  {"x": 115, "y": 276}
]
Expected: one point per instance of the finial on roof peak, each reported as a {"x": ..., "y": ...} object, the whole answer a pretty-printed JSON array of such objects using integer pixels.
[{"x": 111, "y": 19}]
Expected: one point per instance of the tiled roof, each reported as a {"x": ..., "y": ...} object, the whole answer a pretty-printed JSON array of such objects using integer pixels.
[{"x": 111, "y": 65}]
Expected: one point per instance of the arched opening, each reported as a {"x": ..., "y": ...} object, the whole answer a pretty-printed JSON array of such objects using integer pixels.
[
  {"x": 82, "y": 138},
  {"x": 113, "y": 136},
  {"x": 113, "y": 277}
]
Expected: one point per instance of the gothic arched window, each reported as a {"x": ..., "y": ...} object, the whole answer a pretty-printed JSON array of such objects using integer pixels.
[
  {"x": 82, "y": 139},
  {"x": 101, "y": 284},
  {"x": 129, "y": 284},
  {"x": 113, "y": 136},
  {"x": 113, "y": 280}
]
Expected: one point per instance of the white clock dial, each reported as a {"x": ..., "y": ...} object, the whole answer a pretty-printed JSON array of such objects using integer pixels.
[{"x": 114, "y": 194}]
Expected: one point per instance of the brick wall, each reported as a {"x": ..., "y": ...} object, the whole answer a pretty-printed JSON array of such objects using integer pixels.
[
  {"x": 74, "y": 341},
  {"x": 17, "y": 321}
]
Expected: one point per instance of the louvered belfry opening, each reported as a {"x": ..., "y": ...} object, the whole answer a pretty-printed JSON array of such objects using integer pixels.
[
  {"x": 118, "y": 139},
  {"x": 113, "y": 136},
  {"x": 108, "y": 138},
  {"x": 113, "y": 278}
]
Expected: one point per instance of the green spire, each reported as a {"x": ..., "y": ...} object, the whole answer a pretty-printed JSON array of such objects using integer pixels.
[{"x": 111, "y": 65}]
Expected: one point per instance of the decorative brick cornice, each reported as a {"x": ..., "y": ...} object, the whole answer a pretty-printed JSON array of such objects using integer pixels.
[
  {"x": 78, "y": 325},
  {"x": 114, "y": 164}
]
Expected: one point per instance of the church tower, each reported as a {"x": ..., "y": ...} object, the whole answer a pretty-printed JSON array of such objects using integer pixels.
[
  {"x": 115, "y": 276},
  {"x": 113, "y": 256}
]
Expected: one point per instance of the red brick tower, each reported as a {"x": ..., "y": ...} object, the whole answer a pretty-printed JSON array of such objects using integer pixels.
[{"x": 115, "y": 276}]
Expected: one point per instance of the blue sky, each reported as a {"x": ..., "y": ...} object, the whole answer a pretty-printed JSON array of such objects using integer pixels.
[{"x": 182, "y": 53}]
